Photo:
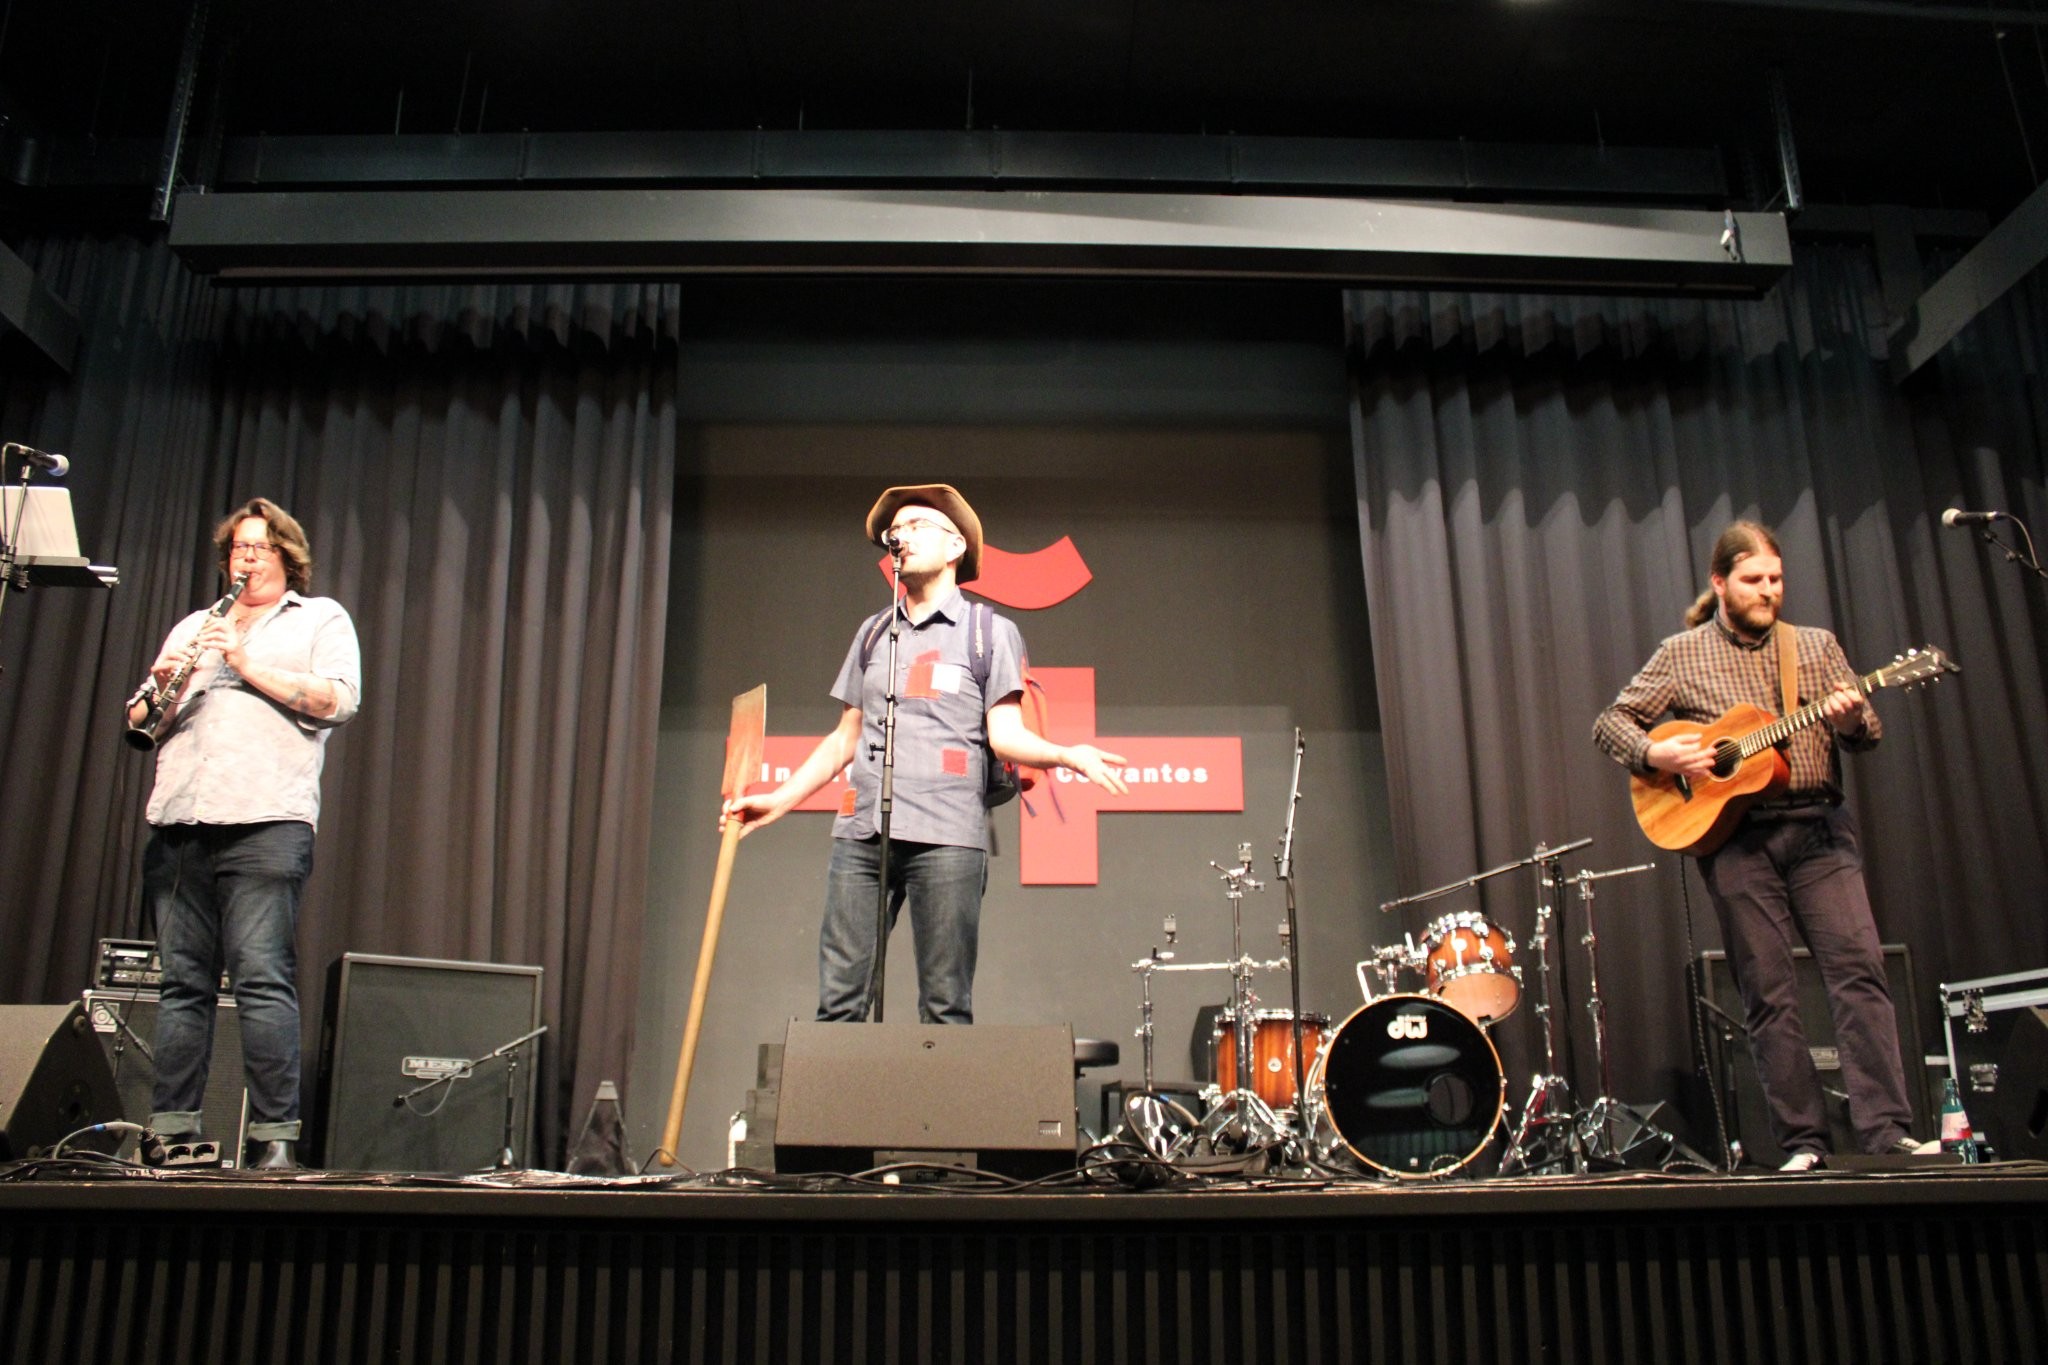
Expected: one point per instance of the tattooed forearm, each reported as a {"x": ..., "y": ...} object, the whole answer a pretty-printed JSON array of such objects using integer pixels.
[{"x": 306, "y": 693}]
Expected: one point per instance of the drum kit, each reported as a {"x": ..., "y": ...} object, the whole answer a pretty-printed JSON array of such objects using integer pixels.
[{"x": 1410, "y": 1086}]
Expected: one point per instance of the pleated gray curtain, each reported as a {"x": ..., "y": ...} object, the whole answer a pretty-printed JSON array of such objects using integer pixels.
[
  {"x": 1540, "y": 481},
  {"x": 485, "y": 474}
]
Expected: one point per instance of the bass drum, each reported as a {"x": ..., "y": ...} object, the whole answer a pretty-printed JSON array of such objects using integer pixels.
[{"x": 1408, "y": 1086}]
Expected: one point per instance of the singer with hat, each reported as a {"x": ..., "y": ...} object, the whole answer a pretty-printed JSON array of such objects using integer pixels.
[
  {"x": 946, "y": 720},
  {"x": 267, "y": 675}
]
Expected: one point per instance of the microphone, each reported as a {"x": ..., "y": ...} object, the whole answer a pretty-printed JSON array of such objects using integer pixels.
[
  {"x": 55, "y": 465},
  {"x": 892, "y": 542},
  {"x": 1956, "y": 516}
]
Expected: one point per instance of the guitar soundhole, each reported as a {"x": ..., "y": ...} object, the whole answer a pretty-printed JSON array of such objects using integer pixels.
[{"x": 1727, "y": 757}]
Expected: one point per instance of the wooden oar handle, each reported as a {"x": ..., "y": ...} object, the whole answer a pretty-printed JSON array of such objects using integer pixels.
[{"x": 693, "y": 1024}]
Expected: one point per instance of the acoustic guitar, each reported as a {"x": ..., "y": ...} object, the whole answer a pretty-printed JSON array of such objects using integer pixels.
[{"x": 1696, "y": 816}]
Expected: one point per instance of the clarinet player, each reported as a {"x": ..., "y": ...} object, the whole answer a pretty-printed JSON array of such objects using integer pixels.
[{"x": 232, "y": 813}]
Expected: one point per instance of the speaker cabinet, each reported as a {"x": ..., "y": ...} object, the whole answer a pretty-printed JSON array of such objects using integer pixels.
[
  {"x": 53, "y": 1081},
  {"x": 125, "y": 1021},
  {"x": 1748, "y": 1118},
  {"x": 395, "y": 1023},
  {"x": 987, "y": 1096}
]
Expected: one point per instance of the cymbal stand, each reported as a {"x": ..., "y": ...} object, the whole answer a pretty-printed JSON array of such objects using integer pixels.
[
  {"x": 1606, "y": 1116},
  {"x": 1240, "y": 1120},
  {"x": 1546, "y": 1140},
  {"x": 1162, "y": 1127}
]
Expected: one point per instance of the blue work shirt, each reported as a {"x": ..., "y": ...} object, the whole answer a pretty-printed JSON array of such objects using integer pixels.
[{"x": 941, "y": 722}]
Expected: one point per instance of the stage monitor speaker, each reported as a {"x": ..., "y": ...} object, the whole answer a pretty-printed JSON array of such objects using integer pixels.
[
  {"x": 394, "y": 1023},
  {"x": 125, "y": 1021},
  {"x": 1748, "y": 1118},
  {"x": 54, "y": 1081},
  {"x": 989, "y": 1096},
  {"x": 2016, "y": 1120}
]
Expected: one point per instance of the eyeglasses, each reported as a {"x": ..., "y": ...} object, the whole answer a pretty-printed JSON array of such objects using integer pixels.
[
  {"x": 262, "y": 549},
  {"x": 920, "y": 525}
]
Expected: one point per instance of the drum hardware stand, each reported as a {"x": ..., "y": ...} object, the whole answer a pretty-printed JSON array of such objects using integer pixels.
[
  {"x": 1162, "y": 1127},
  {"x": 1283, "y": 869},
  {"x": 1388, "y": 963},
  {"x": 1535, "y": 1149},
  {"x": 1240, "y": 1120},
  {"x": 1542, "y": 854},
  {"x": 1598, "y": 1124}
]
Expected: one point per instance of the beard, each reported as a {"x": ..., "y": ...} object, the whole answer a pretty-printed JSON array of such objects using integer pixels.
[{"x": 1757, "y": 617}]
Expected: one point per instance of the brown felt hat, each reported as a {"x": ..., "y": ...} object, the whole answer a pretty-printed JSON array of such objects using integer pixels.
[{"x": 942, "y": 497}]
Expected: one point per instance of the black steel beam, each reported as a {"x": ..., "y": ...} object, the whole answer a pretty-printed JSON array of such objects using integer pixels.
[
  {"x": 651, "y": 232},
  {"x": 985, "y": 160},
  {"x": 28, "y": 306},
  {"x": 2012, "y": 251}
]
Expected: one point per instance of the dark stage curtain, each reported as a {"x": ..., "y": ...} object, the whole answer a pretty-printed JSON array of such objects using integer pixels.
[
  {"x": 485, "y": 473},
  {"x": 1540, "y": 482}
]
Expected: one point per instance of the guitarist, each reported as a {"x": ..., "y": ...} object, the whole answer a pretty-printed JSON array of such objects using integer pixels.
[{"x": 1794, "y": 865}]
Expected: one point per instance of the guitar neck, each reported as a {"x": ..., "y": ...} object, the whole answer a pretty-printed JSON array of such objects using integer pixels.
[{"x": 1782, "y": 729}]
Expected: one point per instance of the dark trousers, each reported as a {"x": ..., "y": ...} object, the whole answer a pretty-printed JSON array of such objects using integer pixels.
[
  {"x": 228, "y": 896},
  {"x": 1778, "y": 880}
]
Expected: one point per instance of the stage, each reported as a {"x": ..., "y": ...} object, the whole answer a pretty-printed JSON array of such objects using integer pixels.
[{"x": 1940, "y": 1262}]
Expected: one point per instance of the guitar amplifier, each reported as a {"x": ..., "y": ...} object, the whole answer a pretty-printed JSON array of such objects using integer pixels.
[
  {"x": 1743, "y": 1100},
  {"x": 125, "y": 1021},
  {"x": 127, "y": 964}
]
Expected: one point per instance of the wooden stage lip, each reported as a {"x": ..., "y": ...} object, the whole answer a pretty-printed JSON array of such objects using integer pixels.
[{"x": 2008, "y": 1187}]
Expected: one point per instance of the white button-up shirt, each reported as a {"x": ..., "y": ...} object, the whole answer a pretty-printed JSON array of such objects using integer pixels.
[{"x": 235, "y": 757}]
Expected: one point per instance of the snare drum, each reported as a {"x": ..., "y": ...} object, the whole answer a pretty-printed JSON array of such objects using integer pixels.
[
  {"x": 1409, "y": 1086},
  {"x": 1272, "y": 1052},
  {"x": 1471, "y": 966}
]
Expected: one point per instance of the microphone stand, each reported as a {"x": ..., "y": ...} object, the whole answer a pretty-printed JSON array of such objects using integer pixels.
[
  {"x": 10, "y": 540},
  {"x": 885, "y": 805},
  {"x": 510, "y": 1052},
  {"x": 2028, "y": 561},
  {"x": 1283, "y": 870}
]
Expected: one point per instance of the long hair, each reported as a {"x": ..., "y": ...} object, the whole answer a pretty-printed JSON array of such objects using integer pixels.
[
  {"x": 1740, "y": 539},
  {"x": 285, "y": 533}
]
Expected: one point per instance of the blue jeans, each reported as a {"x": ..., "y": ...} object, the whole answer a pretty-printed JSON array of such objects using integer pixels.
[
  {"x": 228, "y": 895},
  {"x": 943, "y": 884}
]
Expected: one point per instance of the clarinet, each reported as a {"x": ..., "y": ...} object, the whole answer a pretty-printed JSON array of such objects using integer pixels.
[{"x": 144, "y": 735}]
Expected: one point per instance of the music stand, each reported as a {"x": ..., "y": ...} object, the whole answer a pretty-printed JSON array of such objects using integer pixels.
[{"x": 39, "y": 542}]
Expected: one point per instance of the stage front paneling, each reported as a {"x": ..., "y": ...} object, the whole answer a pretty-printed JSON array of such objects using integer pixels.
[{"x": 1862, "y": 1269}]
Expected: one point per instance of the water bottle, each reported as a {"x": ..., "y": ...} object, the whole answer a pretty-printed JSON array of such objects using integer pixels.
[{"x": 1955, "y": 1124}]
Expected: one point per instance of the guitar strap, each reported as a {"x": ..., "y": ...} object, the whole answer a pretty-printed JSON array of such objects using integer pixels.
[{"x": 1788, "y": 665}]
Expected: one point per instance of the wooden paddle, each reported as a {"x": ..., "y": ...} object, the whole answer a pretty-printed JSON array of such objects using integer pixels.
[{"x": 743, "y": 746}]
